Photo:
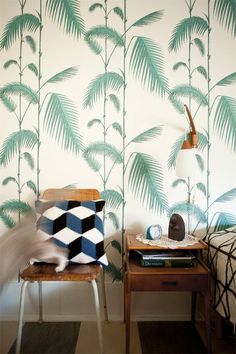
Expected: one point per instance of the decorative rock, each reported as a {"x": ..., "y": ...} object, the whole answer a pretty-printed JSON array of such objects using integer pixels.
[{"x": 176, "y": 228}]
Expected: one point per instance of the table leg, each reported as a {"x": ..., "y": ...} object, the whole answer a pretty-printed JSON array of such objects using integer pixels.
[
  {"x": 218, "y": 325},
  {"x": 207, "y": 302},
  {"x": 193, "y": 306},
  {"x": 127, "y": 315}
]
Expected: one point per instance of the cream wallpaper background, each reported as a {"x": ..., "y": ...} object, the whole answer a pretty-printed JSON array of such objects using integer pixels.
[{"x": 144, "y": 110}]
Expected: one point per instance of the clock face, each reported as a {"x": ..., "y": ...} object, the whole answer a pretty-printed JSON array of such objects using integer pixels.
[{"x": 154, "y": 232}]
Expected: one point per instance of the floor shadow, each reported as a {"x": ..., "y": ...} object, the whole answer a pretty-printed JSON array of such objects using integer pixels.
[{"x": 170, "y": 337}]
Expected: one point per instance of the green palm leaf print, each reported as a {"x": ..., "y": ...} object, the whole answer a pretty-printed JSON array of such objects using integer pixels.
[
  {"x": 114, "y": 271},
  {"x": 16, "y": 88},
  {"x": 148, "y": 19},
  {"x": 225, "y": 121},
  {"x": 146, "y": 62},
  {"x": 12, "y": 206},
  {"x": 15, "y": 26},
  {"x": 202, "y": 188},
  {"x": 32, "y": 67},
  {"x": 227, "y": 80},
  {"x": 91, "y": 160},
  {"x": 66, "y": 14},
  {"x": 94, "y": 121},
  {"x": 200, "y": 45},
  {"x": 22, "y": 138},
  {"x": 99, "y": 148},
  {"x": 145, "y": 180},
  {"x": 29, "y": 158},
  {"x": 225, "y": 11},
  {"x": 7, "y": 220},
  {"x": 8, "y": 102},
  {"x": 186, "y": 91},
  {"x": 178, "y": 182},
  {"x": 60, "y": 121},
  {"x": 112, "y": 197},
  {"x": 114, "y": 219},
  {"x": 8, "y": 180},
  {"x": 32, "y": 44},
  {"x": 179, "y": 64},
  {"x": 117, "y": 127},
  {"x": 190, "y": 25},
  {"x": 8, "y": 63},
  {"x": 200, "y": 162},
  {"x": 116, "y": 245},
  {"x": 115, "y": 100},
  {"x": 201, "y": 70},
  {"x": 105, "y": 32},
  {"x": 109, "y": 80},
  {"x": 147, "y": 135},
  {"x": 224, "y": 221},
  {"x": 94, "y": 45},
  {"x": 177, "y": 103},
  {"x": 95, "y": 6},
  {"x": 31, "y": 185},
  {"x": 118, "y": 11},
  {"x": 228, "y": 196},
  {"x": 202, "y": 141},
  {"x": 63, "y": 75}
]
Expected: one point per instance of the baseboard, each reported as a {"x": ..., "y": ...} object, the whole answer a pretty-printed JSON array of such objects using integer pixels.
[{"x": 85, "y": 318}]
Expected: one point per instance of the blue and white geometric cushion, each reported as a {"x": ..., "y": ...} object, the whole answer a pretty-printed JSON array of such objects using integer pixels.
[{"x": 75, "y": 225}]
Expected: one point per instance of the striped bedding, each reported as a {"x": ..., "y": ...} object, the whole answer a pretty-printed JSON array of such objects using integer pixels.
[{"x": 221, "y": 259}]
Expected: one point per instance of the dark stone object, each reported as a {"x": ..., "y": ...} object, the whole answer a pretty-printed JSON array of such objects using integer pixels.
[{"x": 176, "y": 228}]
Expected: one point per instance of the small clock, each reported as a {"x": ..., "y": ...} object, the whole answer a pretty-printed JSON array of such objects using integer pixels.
[{"x": 154, "y": 232}]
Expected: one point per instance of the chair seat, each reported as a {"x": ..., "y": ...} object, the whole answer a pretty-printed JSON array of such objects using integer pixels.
[{"x": 73, "y": 272}]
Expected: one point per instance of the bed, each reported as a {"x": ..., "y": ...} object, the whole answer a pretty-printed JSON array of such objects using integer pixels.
[{"x": 221, "y": 259}]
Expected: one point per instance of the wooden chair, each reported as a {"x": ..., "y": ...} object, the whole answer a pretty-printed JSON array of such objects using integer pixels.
[{"x": 46, "y": 272}]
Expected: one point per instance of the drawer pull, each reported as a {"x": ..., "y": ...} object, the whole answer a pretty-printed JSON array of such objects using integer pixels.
[{"x": 169, "y": 283}]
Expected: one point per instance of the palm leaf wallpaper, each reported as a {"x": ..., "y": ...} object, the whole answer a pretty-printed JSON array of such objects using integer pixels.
[{"x": 92, "y": 94}]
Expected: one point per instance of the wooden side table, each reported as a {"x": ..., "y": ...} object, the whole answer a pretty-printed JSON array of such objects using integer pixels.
[{"x": 138, "y": 278}]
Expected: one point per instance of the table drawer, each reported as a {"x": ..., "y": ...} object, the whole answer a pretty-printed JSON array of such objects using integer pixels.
[{"x": 170, "y": 282}]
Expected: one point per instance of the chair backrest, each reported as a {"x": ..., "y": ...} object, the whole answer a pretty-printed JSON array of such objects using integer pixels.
[{"x": 70, "y": 194}]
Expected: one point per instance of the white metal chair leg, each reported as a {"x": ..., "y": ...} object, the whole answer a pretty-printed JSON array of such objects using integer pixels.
[
  {"x": 40, "y": 302},
  {"x": 104, "y": 298},
  {"x": 21, "y": 313},
  {"x": 97, "y": 306}
]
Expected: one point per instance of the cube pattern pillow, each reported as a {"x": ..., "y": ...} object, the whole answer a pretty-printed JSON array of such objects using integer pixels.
[{"x": 76, "y": 225}]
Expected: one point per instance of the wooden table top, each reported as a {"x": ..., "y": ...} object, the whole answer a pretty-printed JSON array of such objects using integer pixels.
[{"x": 134, "y": 244}]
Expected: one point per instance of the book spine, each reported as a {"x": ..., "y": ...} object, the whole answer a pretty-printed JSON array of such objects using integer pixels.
[{"x": 166, "y": 263}]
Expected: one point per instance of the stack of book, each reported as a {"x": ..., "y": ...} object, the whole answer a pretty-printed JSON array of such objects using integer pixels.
[{"x": 169, "y": 258}]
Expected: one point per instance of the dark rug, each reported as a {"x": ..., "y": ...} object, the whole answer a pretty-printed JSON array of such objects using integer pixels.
[
  {"x": 170, "y": 337},
  {"x": 49, "y": 338}
]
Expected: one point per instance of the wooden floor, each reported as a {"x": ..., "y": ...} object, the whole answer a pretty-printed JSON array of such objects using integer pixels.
[{"x": 174, "y": 338}]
